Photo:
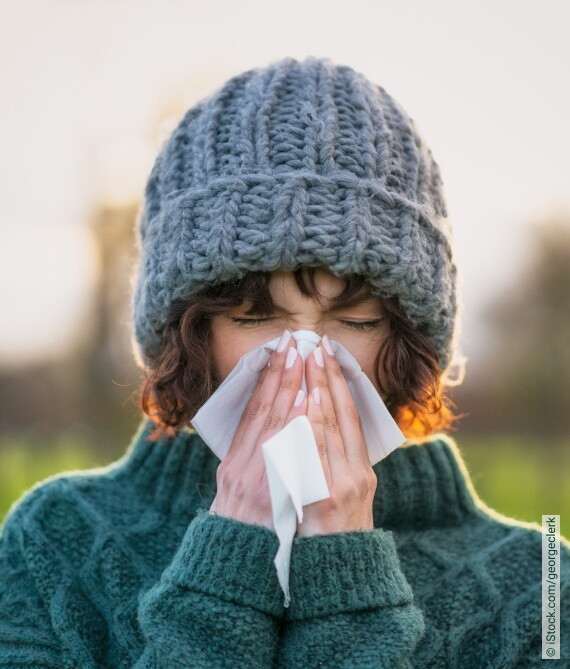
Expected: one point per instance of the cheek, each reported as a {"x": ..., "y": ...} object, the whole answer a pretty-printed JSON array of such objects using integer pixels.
[
  {"x": 364, "y": 349},
  {"x": 361, "y": 345},
  {"x": 365, "y": 354},
  {"x": 228, "y": 346}
]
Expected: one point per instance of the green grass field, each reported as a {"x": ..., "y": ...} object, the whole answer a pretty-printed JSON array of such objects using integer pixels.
[
  {"x": 521, "y": 478},
  {"x": 518, "y": 477}
]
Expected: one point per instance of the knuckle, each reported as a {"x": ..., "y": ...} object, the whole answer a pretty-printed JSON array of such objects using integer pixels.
[
  {"x": 288, "y": 381},
  {"x": 231, "y": 480},
  {"x": 363, "y": 483},
  {"x": 336, "y": 371},
  {"x": 273, "y": 421},
  {"x": 248, "y": 412},
  {"x": 350, "y": 490},
  {"x": 367, "y": 482},
  {"x": 252, "y": 408},
  {"x": 264, "y": 407},
  {"x": 223, "y": 476},
  {"x": 356, "y": 486},
  {"x": 258, "y": 407},
  {"x": 372, "y": 485},
  {"x": 274, "y": 362},
  {"x": 221, "y": 470},
  {"x": 352, "y": 414},
  {"x": 318, "y": 419},
  {"x": 330, "y": 422},
  {"x": 321, "y": 446},
  {"x": 220, "y": 477},
  {"x": 240, "y": 488}
]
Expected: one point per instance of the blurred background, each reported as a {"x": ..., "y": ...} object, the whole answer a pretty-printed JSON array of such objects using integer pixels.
[{"x": 91, "y": 89}]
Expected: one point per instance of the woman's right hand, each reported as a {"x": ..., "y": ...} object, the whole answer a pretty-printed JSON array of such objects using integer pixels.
[{"x": 242, "y": 486}]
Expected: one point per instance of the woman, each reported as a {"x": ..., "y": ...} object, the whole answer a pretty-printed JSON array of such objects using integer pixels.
[{"x": 297, "y": 196}]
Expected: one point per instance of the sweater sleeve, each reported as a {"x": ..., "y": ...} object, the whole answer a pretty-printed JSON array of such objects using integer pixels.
[
  {"x": 351, "y": 605},
  {"x": 217, "y": 604}
]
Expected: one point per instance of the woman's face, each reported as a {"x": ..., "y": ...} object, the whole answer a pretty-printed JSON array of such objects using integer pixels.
[{"x": 234, "y": 333}]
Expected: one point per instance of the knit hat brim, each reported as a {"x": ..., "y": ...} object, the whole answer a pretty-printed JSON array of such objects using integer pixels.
[{"x": 284, "y": 220}]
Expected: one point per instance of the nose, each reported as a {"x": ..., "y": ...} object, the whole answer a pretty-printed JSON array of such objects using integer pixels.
[{"x": 297, "y": 325}]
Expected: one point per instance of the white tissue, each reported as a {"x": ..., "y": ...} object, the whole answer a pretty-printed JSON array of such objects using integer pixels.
[{"x": 294, "y": 471}]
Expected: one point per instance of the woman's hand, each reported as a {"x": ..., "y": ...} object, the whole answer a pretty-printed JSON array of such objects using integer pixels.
[
  {"x": 342, "y": 447},
  {"x": 242, "y": 486}
]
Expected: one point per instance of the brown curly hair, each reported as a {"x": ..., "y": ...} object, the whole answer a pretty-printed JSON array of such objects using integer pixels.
[{"x": 182, "y": 377}]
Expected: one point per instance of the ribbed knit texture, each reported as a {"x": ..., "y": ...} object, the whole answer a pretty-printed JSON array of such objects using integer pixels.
[
  {"x": 297, "y": 163},
  {"x": 124, "y": 566}
]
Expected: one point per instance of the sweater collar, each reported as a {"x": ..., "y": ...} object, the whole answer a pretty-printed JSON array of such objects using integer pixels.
[{"x": 422, "y": 483}]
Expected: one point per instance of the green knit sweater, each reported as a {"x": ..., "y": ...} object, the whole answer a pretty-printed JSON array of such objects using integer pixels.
[{"x": 124, "y": 567}]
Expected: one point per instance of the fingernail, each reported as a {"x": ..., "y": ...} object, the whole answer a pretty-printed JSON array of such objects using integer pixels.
[
  {"x": 291, "y": 356},
  {"x": 327, "y": 345},
  {"x": 284, "y": 341},
  {"x": 319, "y": 356},
  {"x": 317, "y": 395},
  {"x": 300, "y": 397}
]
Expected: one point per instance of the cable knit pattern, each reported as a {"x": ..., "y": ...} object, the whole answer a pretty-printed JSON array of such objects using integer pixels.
[
  {"x": 298, "y": 163},
  {"x": 124, "y": 566}
]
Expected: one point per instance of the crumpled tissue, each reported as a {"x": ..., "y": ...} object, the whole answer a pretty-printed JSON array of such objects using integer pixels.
[{"x": 294, "y": 471}]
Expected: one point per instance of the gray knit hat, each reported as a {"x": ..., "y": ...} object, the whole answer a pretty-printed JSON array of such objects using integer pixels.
[{"x": 298, "y": 163}]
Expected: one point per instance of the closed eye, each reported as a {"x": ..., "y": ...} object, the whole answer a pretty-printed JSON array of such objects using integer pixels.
[{"x": 361, "y": 325}]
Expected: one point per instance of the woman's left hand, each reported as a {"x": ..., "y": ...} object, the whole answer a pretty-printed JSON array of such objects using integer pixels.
[{"x": 342, "y": 448}]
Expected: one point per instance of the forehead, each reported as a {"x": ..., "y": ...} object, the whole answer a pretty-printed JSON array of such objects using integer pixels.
[{"x": 286, "y": 294}]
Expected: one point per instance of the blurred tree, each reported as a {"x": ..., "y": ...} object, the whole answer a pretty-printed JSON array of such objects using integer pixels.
[
  {"x": 522, "y": 387},
  {"x": 87, "y": 394},
  {"x": 104, "y": 355},
  {"x": 90, "y": 394}
]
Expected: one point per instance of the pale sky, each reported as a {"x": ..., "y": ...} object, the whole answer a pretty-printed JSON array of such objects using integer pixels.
[{"x": 85, "y": 85}]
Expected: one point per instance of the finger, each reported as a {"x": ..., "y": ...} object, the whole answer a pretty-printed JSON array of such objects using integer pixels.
[
  {"x": 299, "y": 407},
  {"x": 260, "y": 401},
  {"x": 346, "y": 411},
  {"x": 315, "y": 415},
  {"x": 278, "y": 394},
  {"x": 317, "y": 378},
  {"x": 249, "y": 409},
  {"x": 284, "y": 408},
  {"x": 287, "y": 391}
]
